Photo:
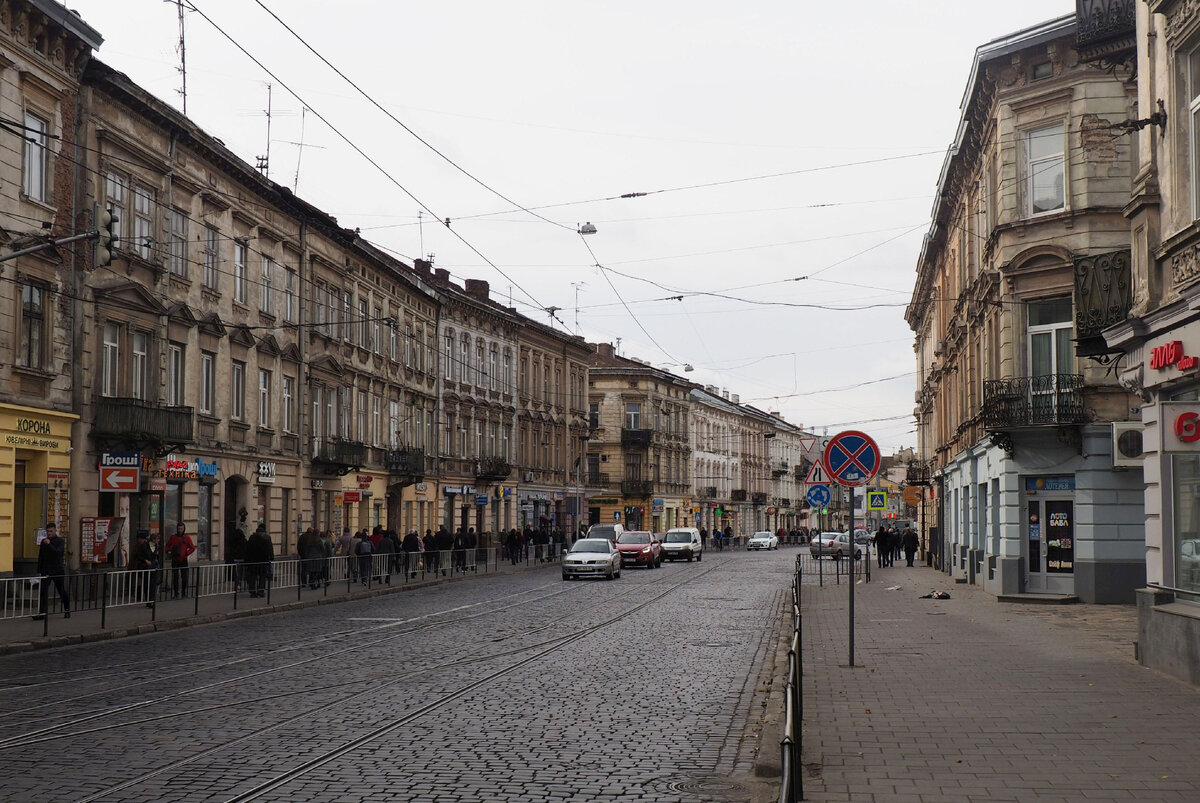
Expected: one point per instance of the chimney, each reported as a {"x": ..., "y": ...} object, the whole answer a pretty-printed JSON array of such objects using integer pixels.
[
  {"x": 422, "y": 266},
  {"x": 477, "y": 288},
  {"x": 441, "y": 275},
  {"x": 736, "y": 399},
  {"x": 605, "y": 350},
  {"x": 774, "y": 413},
  {"x": 725, "y": 395}
]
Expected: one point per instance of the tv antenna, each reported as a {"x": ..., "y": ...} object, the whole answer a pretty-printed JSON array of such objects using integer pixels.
[
  {"x": 182, "y": 56},
  {"x": 263, "y": 163}
]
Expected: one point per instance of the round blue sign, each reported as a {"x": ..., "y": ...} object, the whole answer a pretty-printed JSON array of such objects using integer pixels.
[{"x": 818, "y": 495}]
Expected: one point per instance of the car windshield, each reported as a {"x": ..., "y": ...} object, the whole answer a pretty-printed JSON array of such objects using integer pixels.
[
  {"x": 602, "y": 531},
  {"x": 761, "y": 535},
  {"x": 634, "y": 537},
  {"x": 590, "y": 545},
  {"x": 679, "y": 538}
]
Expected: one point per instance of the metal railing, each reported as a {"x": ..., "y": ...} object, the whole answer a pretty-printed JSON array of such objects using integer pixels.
[{"x": 792, "y": 787}]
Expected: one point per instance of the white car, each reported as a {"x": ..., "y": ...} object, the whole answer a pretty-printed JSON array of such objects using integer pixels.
[
  {"x": 763, "y": 540},
  {"x": 683, "y": 542},
  {"x": 592, "y": 557}
]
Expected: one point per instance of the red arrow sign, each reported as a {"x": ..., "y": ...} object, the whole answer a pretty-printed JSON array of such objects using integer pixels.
[{"x": 118, "y": 479}]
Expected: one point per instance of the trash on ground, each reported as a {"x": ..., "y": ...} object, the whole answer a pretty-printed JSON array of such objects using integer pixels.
[
  {"x": 893, "y": 588},
  {"x": 936, "y": 595}
]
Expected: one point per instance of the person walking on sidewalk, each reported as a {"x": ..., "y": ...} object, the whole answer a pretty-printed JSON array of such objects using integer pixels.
[
  {"x": 235, "y": 554},
  {"x": 881, "y": 546},
  {"x": 179, "y": 546},
  {"x": 145, "y": 559},
  {"x": 910, "y": 541},
  {"x": 259, "y": 554},
  {"x": 53, "y": 569}
]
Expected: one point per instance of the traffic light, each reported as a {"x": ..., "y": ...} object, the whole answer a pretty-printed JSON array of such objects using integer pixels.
[{"x": 105, "y": 239}]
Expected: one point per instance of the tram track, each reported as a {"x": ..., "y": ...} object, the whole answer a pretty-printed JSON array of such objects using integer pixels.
[{"x": 541, "y": 649}]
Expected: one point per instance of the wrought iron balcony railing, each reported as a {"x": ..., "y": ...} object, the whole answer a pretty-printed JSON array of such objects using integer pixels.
[
  {"x": 492, "y": 469},
  {"x": 637, "y": 487},
  {"x": 638, "y": 438},
  {"x": 141, "y": 424},
  {"x": 784, "y": 502},
  {"x": 738, "y": 494},
  {"x": 1103, "y": 298},
  {"x": 916, "y": 474},
  {"x": 759, "y": 498},
  {"x": 339, "y": 455},
  {"x": 1030, "y": 401},
  {"x": 596, "y": 479},
  {"x": 405, "y": 461},
  {"x": 709, "y": 492}
]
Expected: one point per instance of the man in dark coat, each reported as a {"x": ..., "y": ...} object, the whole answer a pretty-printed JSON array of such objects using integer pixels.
[
  {"x": 412, "y": 552},
  {"x": 235, "y": 553},
  {"x": 53, "y": 569},
  {"x": 260, "y": 552},
  {"x": 910, "y": 542},
  {"x": 460, "y": 550},
  {"x": 881, "y": 546},
  {"x": 444, "y": 543},
  {"x": 146, "y": 559},
  {"x": 383, "y": 564}
]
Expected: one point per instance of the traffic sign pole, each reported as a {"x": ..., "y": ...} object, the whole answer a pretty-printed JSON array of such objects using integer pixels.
[{"x": 852, "y": 459}]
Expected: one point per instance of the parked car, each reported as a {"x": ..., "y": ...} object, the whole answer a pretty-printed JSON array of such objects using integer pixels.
[
  {"x": 640, "y": 548},
  {"x": 683, "y": 542},
  {"x": 763, "y": 539},
  {"x": 835, "y": 545},
  {"x": 592, "y": 557}
]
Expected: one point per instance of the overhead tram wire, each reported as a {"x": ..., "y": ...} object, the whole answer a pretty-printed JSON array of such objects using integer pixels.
[
  {"x": 361, "y": 152},
  {"x": 401, "y": 123}
]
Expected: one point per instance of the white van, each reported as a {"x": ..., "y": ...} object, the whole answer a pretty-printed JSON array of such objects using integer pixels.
[
  {"x": 683, "y": 542},
  {"x": 610, "y": 531}
]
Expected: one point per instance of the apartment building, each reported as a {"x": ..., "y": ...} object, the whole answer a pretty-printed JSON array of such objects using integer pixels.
[{"x": 1026, "y": 262}]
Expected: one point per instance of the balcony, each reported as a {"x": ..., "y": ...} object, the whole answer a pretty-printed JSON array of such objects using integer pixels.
[
  {"x": 338, "y": 455},
  {"x": 1103, "y": 297},
  {"x": 916, "y": 474},
  {"x": 408, "y": 464},
  {"x": 492, "y": 469},
  {"x": 779, "y": 469},
  {"x": 596, "y": 479},
  {"x": 759, "y": 498},
  {"x": 1105, "y": 29},
  {"x": 141, "y": 425},
  {"x": 1032, "y": 401},
  {"x": 708, "y": 492},
  {"x": 784, "y": 502},
  {"x": 738, "y": 494},
  {"x": 637, "y": 487},
  {"x": 635, "y": 438}
]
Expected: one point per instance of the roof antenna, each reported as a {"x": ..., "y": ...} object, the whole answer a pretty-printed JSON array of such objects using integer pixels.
[{"x": 263, "y": 163}]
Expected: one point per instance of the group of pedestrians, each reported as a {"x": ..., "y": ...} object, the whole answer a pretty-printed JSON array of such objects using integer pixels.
[
  {"x": 541, "y": 543},
  {"x": 889, "y": 543}
]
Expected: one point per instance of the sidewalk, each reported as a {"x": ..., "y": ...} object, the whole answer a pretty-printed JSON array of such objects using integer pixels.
[
  {"x": 23, "y": 634},
  {"x": 972, "y": 699}
]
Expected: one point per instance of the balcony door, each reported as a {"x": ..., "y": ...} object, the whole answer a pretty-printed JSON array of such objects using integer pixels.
[{"x": 1051, "y": 354}]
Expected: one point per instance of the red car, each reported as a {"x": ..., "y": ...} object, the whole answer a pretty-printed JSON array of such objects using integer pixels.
[{"x": 640, "y": 548}]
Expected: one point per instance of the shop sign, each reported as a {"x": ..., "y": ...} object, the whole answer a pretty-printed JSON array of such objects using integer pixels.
[
  {"x": 364, "y": 481},
  {"x": 119, "y": 472},
  {"x": 481, "y": 499},
  {"x": 422, "y": 488},
  {"x": 318, "y": 485},
  {"x": 1181, "y": 426},
  {"x": 558, "y": 495},
  {"x": 158, "y": 486},
  {"x": 350, "y": 497},
  {"x": 177, "y": 468},
  {"x": 1039, "y": 484},
  {"x": 32, "y": 433},
  {"x": 1171, "y": 354},
  {"x": 266, "y": 471},
  {"x": 656, "y": 506}
]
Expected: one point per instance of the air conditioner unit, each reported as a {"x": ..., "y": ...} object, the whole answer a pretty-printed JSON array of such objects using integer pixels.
[
  {"x": 1127, "y": 443},
  {"x": 939, "y": 347},
  {"x": 528, "y": 476},
  {"x": 917, "y": 397}
]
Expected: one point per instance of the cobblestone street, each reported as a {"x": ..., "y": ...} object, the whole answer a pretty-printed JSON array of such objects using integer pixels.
[{"x": 517, "y": 687}]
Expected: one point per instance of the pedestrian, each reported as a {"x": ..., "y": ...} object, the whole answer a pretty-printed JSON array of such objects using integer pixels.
[
  {"x": 260, "y": 552},
  {"x": 513, "y": 543},
  {"x": 53, "y": 569},
  {"x": 881, "y": 546},
  {"x": 146, "y": 561},
  {"x": 235, "y": 554},
  {"x": 443, "y": 542},
  {"x": 345, "y": 549},
  {"x": 312, "y": 558},
  {"x": 362, "y": 554},
  {"x": 412, "y": 552},
  {"x": 384, "y": 552},
  {"x": 910, "y": 541},
  {"x": 728, "y": 539},
  {"x": 179, "y": 547}
]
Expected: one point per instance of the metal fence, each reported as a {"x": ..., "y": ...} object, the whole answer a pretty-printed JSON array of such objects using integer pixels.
[
  {"x": 792, "y": 786},
  {"x": 231, "y": 584}
]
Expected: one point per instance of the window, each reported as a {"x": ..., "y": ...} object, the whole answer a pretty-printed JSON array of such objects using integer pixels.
[
  {"x": 448, "y": 357},
  {"x": 212, "y": 239},
  {"x": 464, "y": 359},
  {"x": 237, "y": 391},
  {"x": 239, "y": 272},
  {"x": 143, "y": 220},
  {"x": 1051, "y": 353},
  {"x": 208, "y": 376},
  {"x": 344, "y": 397},
  {"x": 110, "y": 360},
  {"x": 508, "y": 378},
  {"x": 33, "y": 327},
  {"x": 633, "y": 415},
  {"x": 493, "y": 368},
  {"x": 1191, "y": 87},
  {"x": 376, "y": 413},
  {"x": 347, "y": 315},
  {"x": 37, "y": 158},
  {"x": 377, "y": 331},
  {"x": 289, "y": 295},
  {"x": 594, "y": 415},
  {"x": 480, "y": 365},
  {"x": 268, "y": 273},
  {"x": 318, "y": 305},
  {"x": 176, "y": 378},
  {"x": 361, "y": 433},
  {"x": 177, "y": 244},
  {"x": 139, "y": 368},
  {"x": 289, "y": 404},
  {"x": 394, "y": 424},
  {"x": 364, "y": 324},
  {"x": 264, "y": 398},
  {"x": 114, "y": 201},
  {"x": 331, "y": 307},
  {"x": 421, "y": 348},
  {"x": 1045, "y": 170},
  {"x": 408, "y": 345},
  {"x": 393, "y": 339}
]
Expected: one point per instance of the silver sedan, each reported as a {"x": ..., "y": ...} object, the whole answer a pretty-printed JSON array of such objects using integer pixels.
[{"x": 592, "y": 557}]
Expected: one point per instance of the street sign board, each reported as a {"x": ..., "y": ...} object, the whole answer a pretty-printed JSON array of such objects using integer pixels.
[
  {"x": 912, "y": 495},
  {"x": 852, "y": 458},
  {"x": 817, "y": 475},
  {"x": 818, "y": 495},
  {"x": 119, "y": 478},
  {"x": 876, "y": 500}
]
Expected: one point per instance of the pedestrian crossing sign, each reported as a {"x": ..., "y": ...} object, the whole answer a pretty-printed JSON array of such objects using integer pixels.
[{"x": 876, "y": 500}]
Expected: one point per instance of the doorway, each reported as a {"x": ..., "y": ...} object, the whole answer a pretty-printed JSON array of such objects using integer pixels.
[{"x": 1050, "y": 546}]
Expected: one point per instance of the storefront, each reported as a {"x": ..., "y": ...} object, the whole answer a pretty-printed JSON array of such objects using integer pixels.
[{"x": 35, "y": 488}]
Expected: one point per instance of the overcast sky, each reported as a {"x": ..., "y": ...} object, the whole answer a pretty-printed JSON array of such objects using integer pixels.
[{"x": 789, "y": 152}]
